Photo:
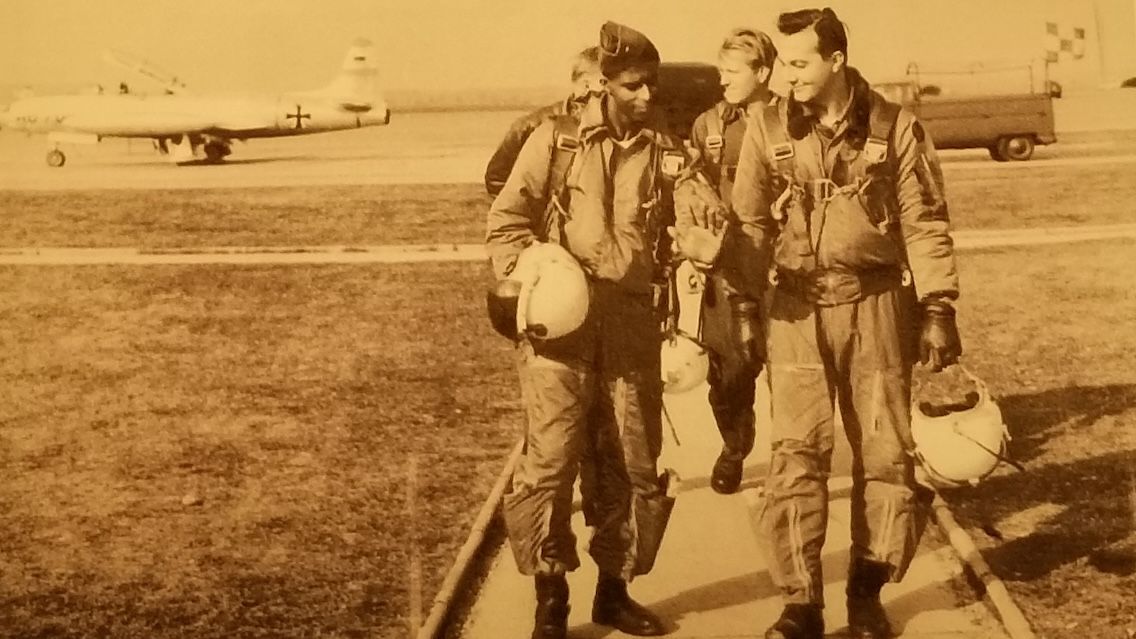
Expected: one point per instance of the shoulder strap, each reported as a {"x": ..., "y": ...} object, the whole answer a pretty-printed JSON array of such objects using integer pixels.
[
  {"x": 565, "y": 144},
  {"x": 714, "y": 139},
  {"x": 880, "y": 127},
  {"x": 780, "y": 149}
]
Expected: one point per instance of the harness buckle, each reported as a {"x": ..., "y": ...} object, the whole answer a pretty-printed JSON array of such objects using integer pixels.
[
  {"x": 714, "y": 142},
  {"x": 875, "y": 150},
  {"x": 822, "y": 189},
  {"x": 567, "y": 143},
  {"x": 782, "y": 151}
]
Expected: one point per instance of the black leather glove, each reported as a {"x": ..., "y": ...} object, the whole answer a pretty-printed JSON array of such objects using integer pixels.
[
  {"x": 501, "y": 301},
  {"x": 939, "y": 342},
  {"x": 746, "y": 331}
]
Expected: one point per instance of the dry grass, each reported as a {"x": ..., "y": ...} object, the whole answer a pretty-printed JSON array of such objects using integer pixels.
[
  {"x": 1050, "y": 329},
  {"x": 287, "y": 400},
  {"x": 290, "y": 399},
  {"x": 1035, "y": 196},
  {"x": 352, "y": 215}
]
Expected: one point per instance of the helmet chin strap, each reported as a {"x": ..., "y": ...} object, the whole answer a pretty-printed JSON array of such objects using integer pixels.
[{"x": 1000, "y": 455}]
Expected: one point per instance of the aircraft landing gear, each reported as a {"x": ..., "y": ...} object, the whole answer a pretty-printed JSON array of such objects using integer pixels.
[
  {"x": 216, "y": 151},
  {"x": 55, "y": 158}
]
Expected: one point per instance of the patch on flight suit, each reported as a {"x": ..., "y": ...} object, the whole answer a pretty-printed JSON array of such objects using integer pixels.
[
  {"x": 918, "y": 132},
  {"x": 713, "y": 141},
  {"x": 673, "y": 162}
]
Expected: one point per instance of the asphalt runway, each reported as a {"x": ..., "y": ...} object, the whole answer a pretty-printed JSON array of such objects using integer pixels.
[{"x": 416, "y": 148}]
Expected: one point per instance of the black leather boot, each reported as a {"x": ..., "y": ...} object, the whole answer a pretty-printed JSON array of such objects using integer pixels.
[
  {"x": 551, "y": 607},
  {"x": 726, "y": 475},
  {"x": 866, "y": 616},
  {"x": 798, "y": 621},
  {"x": 613, "y": 607}
]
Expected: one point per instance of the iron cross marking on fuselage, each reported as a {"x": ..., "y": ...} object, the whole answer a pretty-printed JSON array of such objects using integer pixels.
[{"x": 300, "y": 117}]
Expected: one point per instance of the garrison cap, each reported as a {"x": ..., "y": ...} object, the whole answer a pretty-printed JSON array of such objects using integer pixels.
[{"x": 622, "y": 47}]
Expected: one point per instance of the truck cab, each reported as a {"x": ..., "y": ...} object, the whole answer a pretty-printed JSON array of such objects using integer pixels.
[{"x": 1008, "y": 125}]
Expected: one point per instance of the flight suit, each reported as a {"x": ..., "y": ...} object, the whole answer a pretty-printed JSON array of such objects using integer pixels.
[
  {"x": 856, "y": 231},
  {"x": 717, "y": 134},
  {"x": 601, "y": 385}
]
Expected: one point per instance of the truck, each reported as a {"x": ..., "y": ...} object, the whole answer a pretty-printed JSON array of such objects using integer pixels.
[{"x": 1009, "y": 125}]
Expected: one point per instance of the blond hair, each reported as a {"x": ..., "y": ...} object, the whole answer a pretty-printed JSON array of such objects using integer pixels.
[
  {"x": 754, "y": 44},
  {"x": 587, "y": 61}
]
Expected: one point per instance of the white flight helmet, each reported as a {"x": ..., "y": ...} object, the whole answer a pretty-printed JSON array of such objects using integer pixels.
[
  {"x": 685, "y": 363},
  {"x": 554, "y": 292},
  {"x": 960, "y": 447}
]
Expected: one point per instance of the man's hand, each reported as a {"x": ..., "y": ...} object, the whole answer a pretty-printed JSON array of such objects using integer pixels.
[
  {"x": 699, "y": 245},
  {"x": 939, "y": 342},
  {"x": 696, "y": 203},
  {"x": 746, "y": 332},
  {"x": 501, "y": 301}
]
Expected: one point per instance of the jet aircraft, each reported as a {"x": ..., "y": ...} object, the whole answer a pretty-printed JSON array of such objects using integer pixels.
[{"x": 184, "y": 125}]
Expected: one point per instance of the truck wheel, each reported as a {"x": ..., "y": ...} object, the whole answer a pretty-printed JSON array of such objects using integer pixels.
[
  {"x": 1017, "y": 148},
  {"x": 55, "y": 158}
]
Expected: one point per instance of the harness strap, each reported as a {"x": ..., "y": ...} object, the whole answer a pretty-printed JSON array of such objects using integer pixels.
[
  {"x": 714, "y": 139},
  {"x": 565, "y": 144}
]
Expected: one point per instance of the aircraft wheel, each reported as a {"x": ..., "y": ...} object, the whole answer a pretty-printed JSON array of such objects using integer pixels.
[
  {"x": 215, "y": 152},
  {"x": 1017, "y": 148},
  {"x": 55, "y": 158},
  {"x": 995, "y": 153}
]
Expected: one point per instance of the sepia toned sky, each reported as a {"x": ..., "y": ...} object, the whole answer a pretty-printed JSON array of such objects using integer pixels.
[{"x": 275, "y": 45}]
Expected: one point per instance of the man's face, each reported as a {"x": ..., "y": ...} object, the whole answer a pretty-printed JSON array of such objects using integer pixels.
[
  {"x": 807, "y": 73},
  {"x": 590, "y": 82},
  {"x": 738, "y": 78},
  {"x": 632, "y": 91}
]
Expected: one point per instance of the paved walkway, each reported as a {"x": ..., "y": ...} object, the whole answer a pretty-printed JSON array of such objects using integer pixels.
[
  {"x": 403, "y": 253},
  {"x": 710, "y": 579}
]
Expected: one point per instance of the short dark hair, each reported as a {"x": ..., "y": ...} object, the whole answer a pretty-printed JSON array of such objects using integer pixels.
[{"x": 831, "y": 36}]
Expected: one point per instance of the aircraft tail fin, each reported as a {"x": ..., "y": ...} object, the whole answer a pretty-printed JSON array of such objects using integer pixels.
[{"x": 357, "y": 84}]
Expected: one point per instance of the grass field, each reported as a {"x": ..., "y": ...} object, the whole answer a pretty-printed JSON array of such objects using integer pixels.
[
  {"x": 351, "y": 215},
  {"x": 1050, "y": 329},
  {"x": 220, "y": 451},
  {"x": 386, "y": 214},
  {"x": 224, "y": 452}
]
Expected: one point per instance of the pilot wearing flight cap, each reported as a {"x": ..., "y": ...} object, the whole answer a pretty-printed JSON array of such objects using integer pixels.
[{"x": 595, "y": 395}]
